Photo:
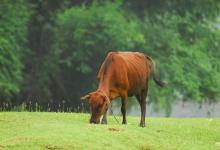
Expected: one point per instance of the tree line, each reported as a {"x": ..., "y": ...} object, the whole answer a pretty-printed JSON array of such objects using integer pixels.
[{"x": 51, "y": 50}]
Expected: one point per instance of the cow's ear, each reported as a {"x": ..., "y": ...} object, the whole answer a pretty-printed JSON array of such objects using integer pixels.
[{"x": 86, "y": 97}]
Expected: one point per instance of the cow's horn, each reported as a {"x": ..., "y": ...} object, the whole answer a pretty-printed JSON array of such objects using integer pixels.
[{"x": 85, "y": 97}]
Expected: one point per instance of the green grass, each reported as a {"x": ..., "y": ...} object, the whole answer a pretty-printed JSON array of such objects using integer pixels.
[{"x": 60, "y": 131}]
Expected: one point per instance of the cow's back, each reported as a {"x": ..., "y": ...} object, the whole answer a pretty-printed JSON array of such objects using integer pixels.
[
  {"x": 125, "y": 71},
  {"x": 138, "y": 70}
]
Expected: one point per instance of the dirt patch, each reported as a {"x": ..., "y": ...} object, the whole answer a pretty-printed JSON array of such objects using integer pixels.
[
  {"x": 159, "y": 130},
  {"x": 2, "y": 147},
  {"x": 144, "y": 148},
  {"x": 51, "y": 147},
  {"x": 114, "y": 129}
]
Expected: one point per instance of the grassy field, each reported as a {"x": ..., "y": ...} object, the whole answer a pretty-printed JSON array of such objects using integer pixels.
[{"x": 71, "y": 131}]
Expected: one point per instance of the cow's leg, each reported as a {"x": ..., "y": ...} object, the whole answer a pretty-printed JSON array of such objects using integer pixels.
[
  {"x": 139, "y": 101},
  {"x": 142, "y": 101},
  {"x": 124, "y": 101},
  {"x": 143, "y": 108},
  {"x": 104, "y": 119}
]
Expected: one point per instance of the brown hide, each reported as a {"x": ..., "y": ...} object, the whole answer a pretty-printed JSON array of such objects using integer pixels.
[{"x": 124, "y": 73}]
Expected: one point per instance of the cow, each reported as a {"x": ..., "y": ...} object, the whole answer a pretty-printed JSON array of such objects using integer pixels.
[{"x": 122, "y": 74}]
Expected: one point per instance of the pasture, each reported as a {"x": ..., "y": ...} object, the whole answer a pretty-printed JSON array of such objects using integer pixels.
[{"x": 71, "y": 131}]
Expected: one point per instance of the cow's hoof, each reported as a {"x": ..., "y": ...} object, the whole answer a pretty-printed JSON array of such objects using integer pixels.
[
  {"x": 124, "y": 122},
  {"x": 142, "y": 125}
]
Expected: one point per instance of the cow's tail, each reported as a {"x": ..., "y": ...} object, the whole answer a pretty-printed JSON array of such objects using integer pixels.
[{"x": 158, "y": 82}]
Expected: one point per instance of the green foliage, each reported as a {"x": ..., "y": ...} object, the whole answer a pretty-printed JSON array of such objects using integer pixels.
[
  {"x": 201, "y": 10},
  {"x": 83, "y": 32},
  {"x": 13, "y": 29},
  {"x": 185, "y": 56}
]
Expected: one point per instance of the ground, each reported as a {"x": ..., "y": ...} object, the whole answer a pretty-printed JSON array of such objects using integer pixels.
[{"x": 71, "y": 131}]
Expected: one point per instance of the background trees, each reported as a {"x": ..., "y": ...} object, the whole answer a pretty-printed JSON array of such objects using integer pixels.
[
  {"x": 13, "y": 29},
  {"x": 57, "y": 60}
]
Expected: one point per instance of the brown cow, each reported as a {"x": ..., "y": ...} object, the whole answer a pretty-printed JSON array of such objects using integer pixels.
[{"x": 122, "y": 74}]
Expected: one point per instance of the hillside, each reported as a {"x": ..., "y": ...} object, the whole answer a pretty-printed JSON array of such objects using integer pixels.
[{"x": 71, "y": 131}]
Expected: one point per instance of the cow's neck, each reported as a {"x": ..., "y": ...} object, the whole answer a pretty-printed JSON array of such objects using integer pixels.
[{"x": 104, "y": 87}]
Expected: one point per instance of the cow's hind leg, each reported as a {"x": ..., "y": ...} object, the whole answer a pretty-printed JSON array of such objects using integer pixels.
[
  {"x": 124, "y": 101},
  {"x": 142, "y": 101},
  {"x": 104, "y": 119}
]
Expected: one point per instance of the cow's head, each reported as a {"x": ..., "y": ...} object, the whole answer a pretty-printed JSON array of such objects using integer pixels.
[{"x": 99, "y": 102}]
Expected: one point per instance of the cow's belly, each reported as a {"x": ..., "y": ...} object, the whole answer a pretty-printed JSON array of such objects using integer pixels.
[
  {"x": 134, "y": 90},
  {"x": 137, "y": 84}
]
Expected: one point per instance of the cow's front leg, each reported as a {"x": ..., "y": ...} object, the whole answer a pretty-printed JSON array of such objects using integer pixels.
[
  {"x": 104, "y": 118},
  {"x": 124, "y": 101}
]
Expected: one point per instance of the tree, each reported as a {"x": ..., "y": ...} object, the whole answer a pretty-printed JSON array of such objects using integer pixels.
[{"x": 13, "y": 29}]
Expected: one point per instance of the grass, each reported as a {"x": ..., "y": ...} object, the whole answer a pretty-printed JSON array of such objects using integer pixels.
[{"x": 71, "y": 131}]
